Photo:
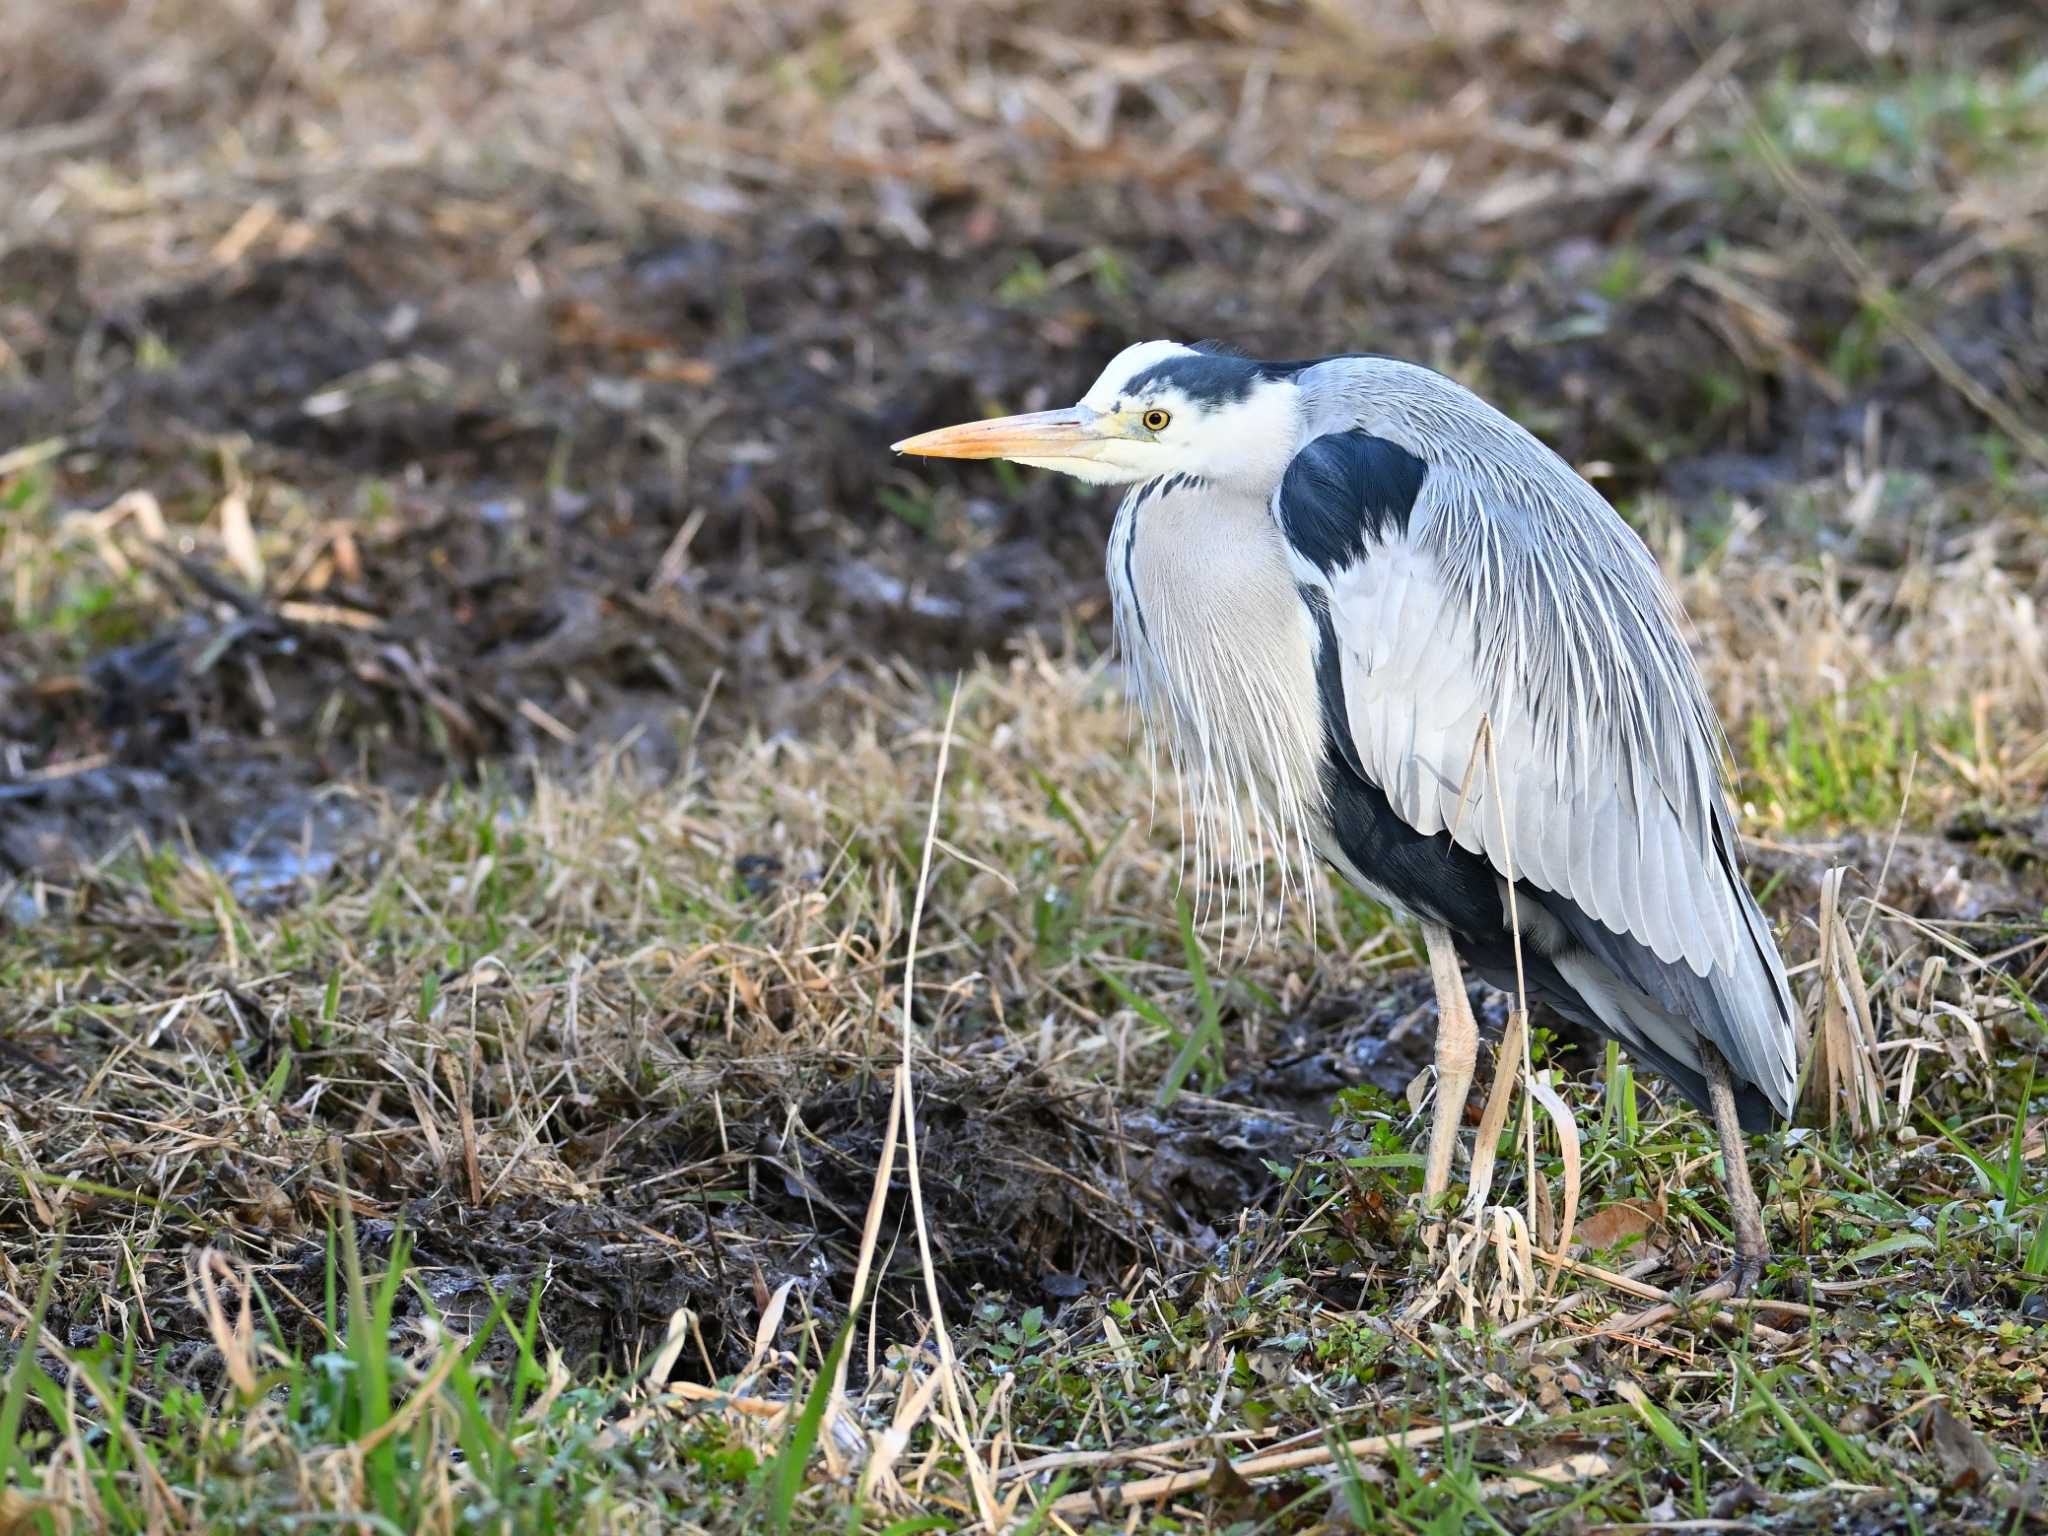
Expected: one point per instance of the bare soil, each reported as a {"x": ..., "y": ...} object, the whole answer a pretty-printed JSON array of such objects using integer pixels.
[{"x": 593, "y": 470}]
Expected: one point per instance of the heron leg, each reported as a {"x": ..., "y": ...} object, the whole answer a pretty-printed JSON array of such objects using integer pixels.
[
  {"x": 1751, "y": 1247},
  {"x": 1457, "y": 1053}
]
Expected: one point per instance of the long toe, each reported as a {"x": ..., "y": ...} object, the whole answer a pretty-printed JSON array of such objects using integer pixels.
[{"x": 1747, "y": 1270}]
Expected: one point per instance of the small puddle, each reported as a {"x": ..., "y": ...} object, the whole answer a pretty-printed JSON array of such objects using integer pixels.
[
  {"x": 261, "y": 875},
  {"x": 287, "y": 849},
  {"x": 267, "y": 859}
]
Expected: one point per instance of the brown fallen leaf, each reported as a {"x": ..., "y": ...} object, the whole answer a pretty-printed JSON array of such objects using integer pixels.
[
  {"x": 1617, "y": 1223},
  {"x": 1579, "y": 1467},
  {"x": 1965, "y": 1460},
  {"x": 264, "y": 1203},
  {"x": 1228, "y": 1489},
  {"x": 680, "y": 370},
  {"x": 18, "y": 1512}
]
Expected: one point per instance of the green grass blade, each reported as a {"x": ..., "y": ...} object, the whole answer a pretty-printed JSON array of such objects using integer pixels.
[
  {"x": 1673, "y": 1439},
  {"x": 786, "y": 1474},
  {"x": 1903, "y": 1242},
  {"x": 18, "y": 1377},
  {"x": 1794, "y": 1430},
  {"x": 1036, "y": 1521},
  {"x": 2036, "y": 1261},
  {"x": 2015, "y": 1146},
  {"x": 1204, "y": 1044},
  {"x": 1143, "y": 1007}
]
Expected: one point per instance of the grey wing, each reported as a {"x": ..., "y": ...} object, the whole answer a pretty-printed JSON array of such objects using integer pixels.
[{"x": 1525, "y": 605}]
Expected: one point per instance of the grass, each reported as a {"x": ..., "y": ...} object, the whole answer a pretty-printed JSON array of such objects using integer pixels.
[
  {"x": 493, "y": 1157},
  {"x": 1846, "y": 763},
  {"x": 384, "y": 1430},
  {"x": 1897, "y": 131},
  {"x": 346, "y": 1387}
]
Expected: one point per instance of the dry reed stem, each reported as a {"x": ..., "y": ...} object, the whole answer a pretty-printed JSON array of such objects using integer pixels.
[
  {"x": 1486, "y": 1148},
  {"x": 1512, "y": 1067},
  {"x": 1567, "y": 1130},
  {"x": 1147, "y": 1490},
  {"x": 955, "y": 1419},
  {"x": 1158, "y": 1450},
  {"x": 871, "y": 1228},
  {"x": 754, "y": 1407},
  {"x": 1579, "y": 1467},
  {"x": 1842, "y": 1071}
]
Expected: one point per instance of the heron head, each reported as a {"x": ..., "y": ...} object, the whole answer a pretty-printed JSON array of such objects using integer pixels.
[{"x": 1159, "y": 408}]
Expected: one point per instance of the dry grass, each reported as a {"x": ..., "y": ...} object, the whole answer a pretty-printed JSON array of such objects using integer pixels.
[
  {"x": 530, "y": 1017},
  {"x": 1373, "y": 115},
  {"x": 469, "y": 725}
]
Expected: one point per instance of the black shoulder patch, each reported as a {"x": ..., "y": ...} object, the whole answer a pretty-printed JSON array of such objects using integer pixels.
[{"x": 1343, "y": 489}]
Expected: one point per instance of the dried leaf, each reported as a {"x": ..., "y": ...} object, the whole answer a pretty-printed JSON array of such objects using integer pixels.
[
  {"x": 1485, "y": 1148},
  {"x": 1580, "y": 1467},
  {"x": 234, "y": 1340},
  {"x": 18, "y": 1512},
  {"x": 771, "y": 1322},
  {"x": 1227, "y": 1487},
  {"x": 1619, "y": 1222},
  {"x": 1568, "y": 1146},
  {"x": 1842, "y": 1071},
  {"x": 1418, "y": 1087},
  {"x": 1965, "y": 1460},
  {"x": 238, "y": 539}
]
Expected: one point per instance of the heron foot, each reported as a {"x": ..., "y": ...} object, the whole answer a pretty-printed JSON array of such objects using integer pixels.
[{"x": 1748, "y": 1267}]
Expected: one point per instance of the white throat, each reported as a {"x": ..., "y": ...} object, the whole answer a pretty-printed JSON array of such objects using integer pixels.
[{"x": 1221, "y": 654}]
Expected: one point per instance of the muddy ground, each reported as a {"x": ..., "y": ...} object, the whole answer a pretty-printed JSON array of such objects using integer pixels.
[
  {"x": 596, "y": 481},
  {"x": 559, "y": 481}
]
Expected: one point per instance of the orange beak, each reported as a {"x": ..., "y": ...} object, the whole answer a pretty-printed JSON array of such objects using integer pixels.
[{"x": 1070, "y": 433}]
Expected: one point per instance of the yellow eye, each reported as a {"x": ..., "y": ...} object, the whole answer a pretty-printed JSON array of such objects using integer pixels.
[{"x": 1155, "y": 420}]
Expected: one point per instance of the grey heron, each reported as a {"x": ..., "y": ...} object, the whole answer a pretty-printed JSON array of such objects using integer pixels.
[{"x": 1330, "y": 578}]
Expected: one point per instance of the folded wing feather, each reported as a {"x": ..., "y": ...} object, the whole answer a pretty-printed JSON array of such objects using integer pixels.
[{"x": 1488, "y": 613}]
